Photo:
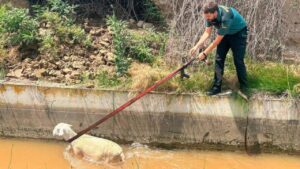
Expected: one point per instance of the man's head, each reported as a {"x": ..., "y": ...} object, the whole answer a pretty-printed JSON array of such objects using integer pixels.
[{"x": 210, "y": 11}]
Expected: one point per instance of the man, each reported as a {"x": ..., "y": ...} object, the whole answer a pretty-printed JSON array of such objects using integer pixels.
[{"x": 231, "y": 34}]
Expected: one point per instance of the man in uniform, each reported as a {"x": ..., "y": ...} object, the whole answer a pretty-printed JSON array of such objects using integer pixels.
[{"x": 231, "y": 34}]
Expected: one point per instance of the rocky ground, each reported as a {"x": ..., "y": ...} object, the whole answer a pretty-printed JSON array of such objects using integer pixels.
[
  {"x": 72, "y": 61},
  {"x": 70, "y": 64}
]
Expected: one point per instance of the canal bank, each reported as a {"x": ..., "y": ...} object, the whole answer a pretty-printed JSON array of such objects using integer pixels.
[{"x": 163, "y": 119}]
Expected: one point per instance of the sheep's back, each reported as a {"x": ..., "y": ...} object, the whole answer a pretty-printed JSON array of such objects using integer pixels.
[{"x": 95, "y": 146}]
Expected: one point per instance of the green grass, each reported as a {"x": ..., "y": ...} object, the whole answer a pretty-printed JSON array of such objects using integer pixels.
[
  {"x": 105, "y": 80},
  {"x": 200, "y": 80},
  {"x": 272, "y": 77},
  {"x": 266, "y": 76}
]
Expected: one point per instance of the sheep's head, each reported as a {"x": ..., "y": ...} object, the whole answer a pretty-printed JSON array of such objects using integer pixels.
[{"x": 63, "y": 130}]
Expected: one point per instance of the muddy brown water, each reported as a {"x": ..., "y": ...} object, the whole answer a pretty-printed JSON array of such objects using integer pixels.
[{"x": 40, "y": 154}]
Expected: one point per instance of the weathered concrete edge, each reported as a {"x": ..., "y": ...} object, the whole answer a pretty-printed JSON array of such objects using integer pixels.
[{"x": 157, "y": 119}]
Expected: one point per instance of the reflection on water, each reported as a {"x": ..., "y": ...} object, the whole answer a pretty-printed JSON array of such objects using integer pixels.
[{"x": 36, "y": 154}]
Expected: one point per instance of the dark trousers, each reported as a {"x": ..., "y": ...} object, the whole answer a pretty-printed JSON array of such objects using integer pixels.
[{"x": 237, "y": 43}]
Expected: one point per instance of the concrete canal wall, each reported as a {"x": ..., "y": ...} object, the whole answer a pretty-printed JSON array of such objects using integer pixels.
[{"x": 31, "y": 110}]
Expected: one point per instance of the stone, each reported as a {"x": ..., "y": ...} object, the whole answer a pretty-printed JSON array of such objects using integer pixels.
[
  {"x": 16, "y": 73},
  {"x": 52, "y": 72},
  {"x": 80, "y": 52},
  {"x": 96, "y": 32},
  {"x": 105, "y": 44},
  {"x": 58, "y": 63},
  {"x": 27, "y": 60},
  {"x": 93, "y": 57},
  {"x": 148, "y": 26},
  {"x": 96, "y": 52},
  {"x": 140, "y": 24},
  {"x": 131, "y": 21},
  {"x": 67, "y": 71},
  {"x": 87, "y": 64},
  {"x": 39, "y": 72},
  {"x": 68, "y": 77},
  {"x": 73, "y": 57},
  {"x": 110, "y": 57},
  {"x": 75, "y": 74},
  {"x": 58, "y": 73},
  {"x": 107, "y": 40},
  {"x": 35, "y": 65},
  {"x": 66, "y": 58},
  {"x": 77, "y": 65}
]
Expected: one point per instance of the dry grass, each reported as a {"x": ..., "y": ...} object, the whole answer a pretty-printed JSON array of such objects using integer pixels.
[{"x": 144, "y": 76}]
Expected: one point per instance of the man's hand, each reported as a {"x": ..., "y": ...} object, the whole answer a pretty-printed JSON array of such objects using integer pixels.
[
  {"x": 202, "y": 56},
  {"x": 194, "y": 49}
]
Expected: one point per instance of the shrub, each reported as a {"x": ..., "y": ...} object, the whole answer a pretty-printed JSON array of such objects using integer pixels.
[
  {"x": 52, "y": 18},
  {"x": 120, "y": 41},
  {"x": 70, "y": 34},
  {"x": 61, "y": 8},
  {"x": 152, "y": 13},
  {"x": 17, "y": 26},
  {"x": 143, "y": 45},
  {"x": 48, "y": 45},
  {"x": 141, "y": 52},
  {"x": 58, "y": 23}
]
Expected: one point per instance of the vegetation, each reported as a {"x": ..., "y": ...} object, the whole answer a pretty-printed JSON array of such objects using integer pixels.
[
  {"x": 273, "y": 77},
  {"x": 120, "y": 39},
  {"x": 151, "y": 12},
  {"x": 134, "y": 45},
  {"x": 105, "y": 80},
  {"x": 142, "y": 44},
  {"x": 59, "y": 7},
  {"x": 2, "y": 71},
  {"x": 17, "y": 27},
  {"x": 56, "y": 19},
  {"x": 139, "y": 54}
]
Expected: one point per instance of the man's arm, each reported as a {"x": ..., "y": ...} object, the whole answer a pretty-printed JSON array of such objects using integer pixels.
[
  {"x": 214, "y": 44},
  {"x": 203, "y": 38}
]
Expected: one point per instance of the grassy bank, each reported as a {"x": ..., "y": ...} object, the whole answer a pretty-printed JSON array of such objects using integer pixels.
[{"x": 271, "y": 77}]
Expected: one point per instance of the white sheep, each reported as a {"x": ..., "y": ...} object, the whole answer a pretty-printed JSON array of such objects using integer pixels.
[{"x": 90, "y": 147}]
